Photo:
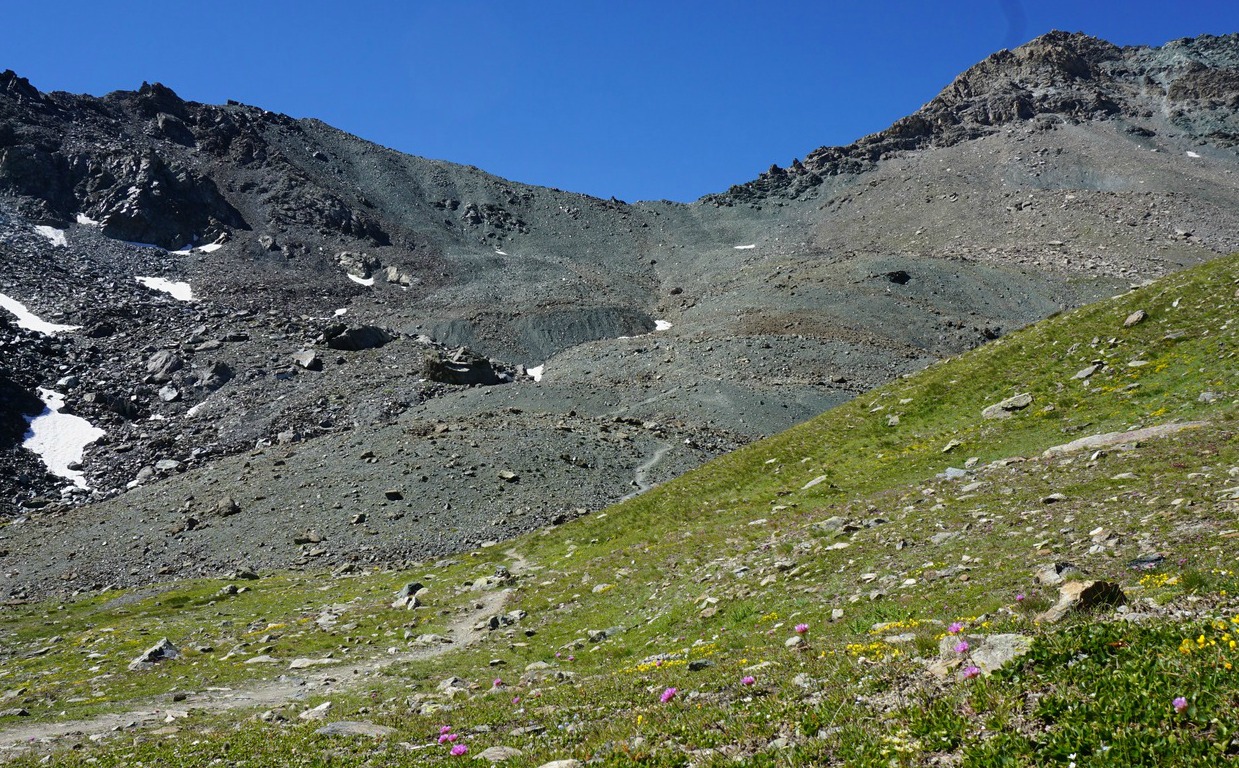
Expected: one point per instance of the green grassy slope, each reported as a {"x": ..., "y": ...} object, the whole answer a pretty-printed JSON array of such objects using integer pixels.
[{"x": 845, "y": 524}]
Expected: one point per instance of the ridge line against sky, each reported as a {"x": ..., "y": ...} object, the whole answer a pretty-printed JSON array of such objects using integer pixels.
[{"x": 641, "y": 100}]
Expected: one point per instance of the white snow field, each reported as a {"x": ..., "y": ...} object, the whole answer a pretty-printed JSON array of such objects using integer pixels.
[{"x": 59, "y": 438}]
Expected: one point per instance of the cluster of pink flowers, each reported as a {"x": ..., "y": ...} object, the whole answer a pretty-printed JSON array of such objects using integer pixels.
[
  {"x": 668, "y": 695},
  {"x": 955, "y": 628},
  {"x": 971, "y": 672},
  {"x": 1179, "y": 704},
  {"x": 802, "y": 629},
  {"x": 447, "y": 737},
  {"x": 748, "y": 680}
]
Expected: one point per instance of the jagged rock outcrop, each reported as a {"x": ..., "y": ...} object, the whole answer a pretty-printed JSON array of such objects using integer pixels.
[{"x": 1056, "y": 78}]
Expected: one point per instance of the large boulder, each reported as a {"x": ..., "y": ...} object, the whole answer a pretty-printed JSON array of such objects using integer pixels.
[
  {"x": 461, "y": 366},
  {"x": 355, "y": 338}
]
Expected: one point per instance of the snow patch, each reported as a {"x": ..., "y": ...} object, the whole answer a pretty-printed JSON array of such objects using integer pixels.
[
  {"x": 86, "y": 221},
  {"x": 55, "y": 236},
  {"x": 361, "y": 280},
  {"x": 748, "y": 247},
  {"x": 59, "y": 438},
  {"x": 536, "y": 373},
  {"x": 30, "y": 321},
  {"x": 501, "y": 253},
  {"x": 340, "y": 312},
  {"x": 662, "y": 325},
  {"x": 1192, "y": 154},
  {"x": 186, "y": 250},
  {"x": 178, "y": 291}
]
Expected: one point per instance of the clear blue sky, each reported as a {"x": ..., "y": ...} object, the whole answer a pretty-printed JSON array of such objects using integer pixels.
[{"x": 641, "y": 99}]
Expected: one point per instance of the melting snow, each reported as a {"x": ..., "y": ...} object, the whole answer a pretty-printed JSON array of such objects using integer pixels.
[
  {"x": 59, "y": 438},
  {"x": 662, "y": 325},
  {"x": 185, "y": 250},
  {"x": 749, "y": 247},
  {"x": 86, "y": 221},
  {"x": 361, "y": 280},
  {"x": 340, "y": 311},
  {"x": 1192, "y": 154},
  {"x": 179, "y": 291},
  {"x": 55, "y": 236},
  {"x": 27, "y": 319},
  {"x": 501, "y": 253},
  {"x": 536, "y": 373}
]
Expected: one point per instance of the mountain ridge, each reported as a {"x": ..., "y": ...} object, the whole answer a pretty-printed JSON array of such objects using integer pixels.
[{"x": 663, "y": 334}]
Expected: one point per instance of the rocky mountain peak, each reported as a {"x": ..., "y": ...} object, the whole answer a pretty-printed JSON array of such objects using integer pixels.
[{"x": 1060, "y": 77}]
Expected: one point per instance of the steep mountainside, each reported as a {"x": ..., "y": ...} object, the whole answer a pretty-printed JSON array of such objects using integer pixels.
[{"x": 354, "y": 368}]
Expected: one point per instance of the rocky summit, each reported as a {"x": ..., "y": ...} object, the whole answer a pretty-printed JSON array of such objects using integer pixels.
[{"x": 303, "y": 349}]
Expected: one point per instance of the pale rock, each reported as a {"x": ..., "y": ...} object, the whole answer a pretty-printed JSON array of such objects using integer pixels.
[
  {"x": 317, "y": 713},
  {"x": 1006, "y": 408},
  {"x": 355, "y": 728},
  {"x": 1082, "y": 596}
]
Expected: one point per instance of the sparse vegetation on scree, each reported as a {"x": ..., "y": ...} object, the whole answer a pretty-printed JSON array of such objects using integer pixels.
[{"x": 840, "y": 594}]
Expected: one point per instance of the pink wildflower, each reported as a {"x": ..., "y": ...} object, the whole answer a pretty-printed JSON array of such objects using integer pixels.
[
  {"x": 961, "y": 646},
  {"x": 443, "y": 738},
  {"x": 498, "y": 682},
  {"x": 1180, "y": 704},
  {"x": 668, "y": 695},
  {"x": 955, "y": 628},
  {"x": 748, "y": 680},
  {"x": 1019, "y": 597},
  {"x": 572, "y": 658},
  {"x": 459, "y": 750},
  {"x": 802, "y": 628},
  {"x": 971, "y": 672},
  {"x": 516, "y": 699},
  {"x": 445, "y": 729}
]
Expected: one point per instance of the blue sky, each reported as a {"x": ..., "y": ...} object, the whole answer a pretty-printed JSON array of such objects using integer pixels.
[{"x": 632, "y": 98}]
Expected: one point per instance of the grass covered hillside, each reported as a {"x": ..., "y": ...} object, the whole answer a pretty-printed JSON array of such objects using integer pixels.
[{"x": 869, "y": 588}]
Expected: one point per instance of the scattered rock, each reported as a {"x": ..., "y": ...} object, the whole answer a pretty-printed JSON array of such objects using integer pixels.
[
  {"x": 309, "y": 360},
  {"x": 1006, "y": 408},
  {"x": 1083, "y": 596},
  {"x": 303, "y": 663},
  {"x": 353, "y": 728},
  {"x": 993, "y": 652},
  {"x": 1085, "y": 373},
  {"x": 498, "y": 754},
  {"x": 1051, "y": 575},
  {"x": 317, "y": 713},
  {"x": 1120, "y": 438},
  {"x": 357, "y": 337},
  {"x": 1135, "y": 318},
  {"x": 160, "y": 651},
  {"x": 227, "y": 506}
]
